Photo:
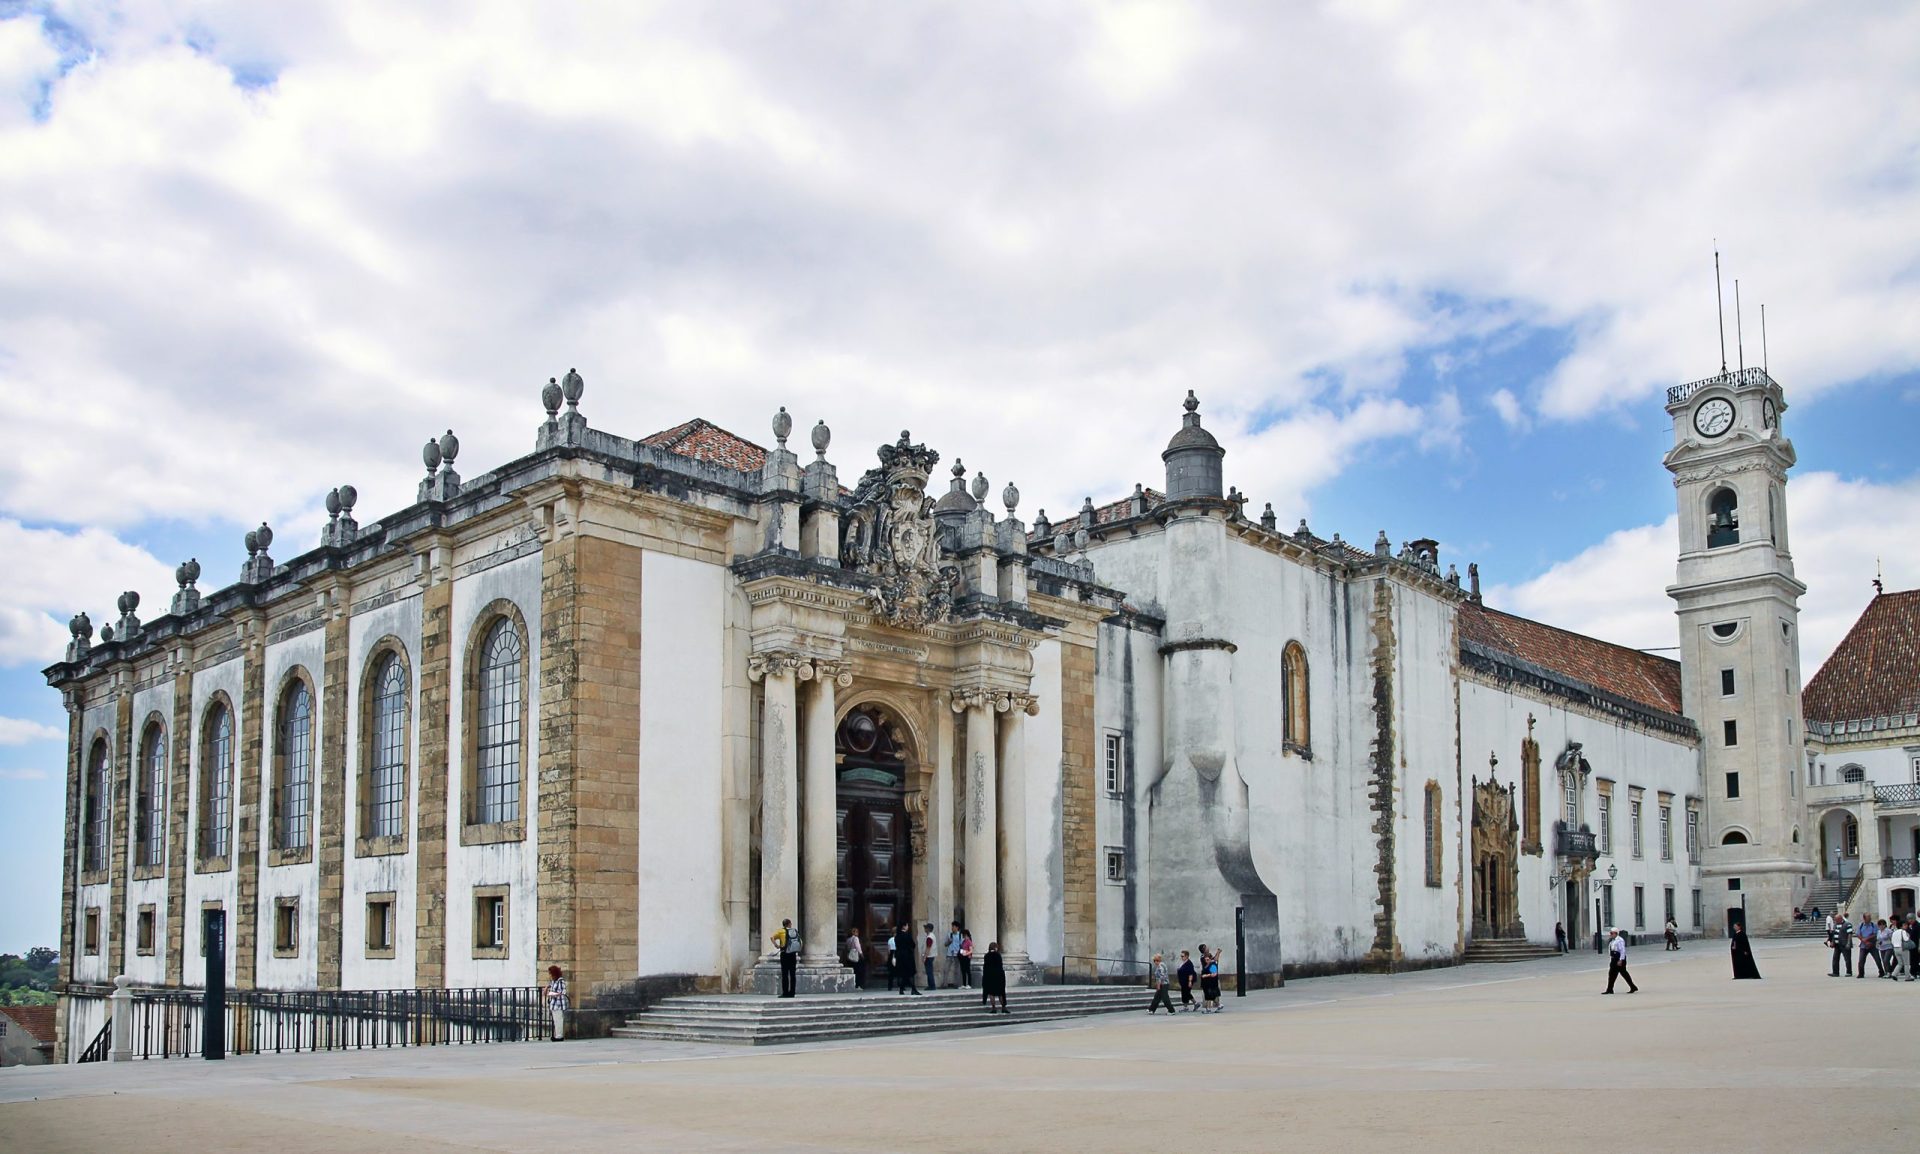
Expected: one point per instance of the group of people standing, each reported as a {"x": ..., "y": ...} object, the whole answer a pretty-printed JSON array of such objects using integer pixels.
[
  {"x": 902, "y": 973},
  {"x": 1893, "y": 944},
  {"x": 1207, "y": 973}
]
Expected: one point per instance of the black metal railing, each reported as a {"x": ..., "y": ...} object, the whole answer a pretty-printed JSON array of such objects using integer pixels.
[
  {"x": 168, "y": 1023},
  {"x": 1899, "y": 867},
  {"x": 96, "y": 1050},
  {"x": 1897, "y": 794},
  {"x": 1574, "y": 842},
  {"x": 1092, "y": 972},
  {"x": 1737, "y": 379}
]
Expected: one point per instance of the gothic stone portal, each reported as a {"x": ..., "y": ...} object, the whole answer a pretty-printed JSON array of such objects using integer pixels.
[{"x": 1496, "y": 863}]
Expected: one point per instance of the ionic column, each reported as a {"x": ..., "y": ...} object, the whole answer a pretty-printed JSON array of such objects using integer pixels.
[
  {"x": 779, "y": 820},
  {"x": 819, "y": 924},
  {"x": 982, "y": 818},
  {"x": 1013, "y": 831}
]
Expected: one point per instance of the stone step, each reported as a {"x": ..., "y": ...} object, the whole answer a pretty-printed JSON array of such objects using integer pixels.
[
  {"x": 1506, "y": 950},
  {"x": 756, "y": 1020}
]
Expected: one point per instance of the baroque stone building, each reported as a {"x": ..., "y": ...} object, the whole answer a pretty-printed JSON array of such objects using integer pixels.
[{"x": 623, "y": 705}]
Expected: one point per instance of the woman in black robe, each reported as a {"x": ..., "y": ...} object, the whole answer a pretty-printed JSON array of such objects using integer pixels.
[
  {"x": 993, "y": 979},
  {"x": 1743, "y": 966}
]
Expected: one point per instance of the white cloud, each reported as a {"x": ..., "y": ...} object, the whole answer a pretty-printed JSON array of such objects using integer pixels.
[
  {"x": 19, "y": 731},
  {"x": 1508, "y": 407},
  {"x": 23, "y": 775},
  {"x": 51, "y": 574},
  {"x": 1841, "y": 531}
]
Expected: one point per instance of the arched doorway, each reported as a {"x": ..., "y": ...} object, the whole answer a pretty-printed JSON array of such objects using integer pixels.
[
  {"x": 875, "y": 846},
  {"x": 1496, "y": 863}
]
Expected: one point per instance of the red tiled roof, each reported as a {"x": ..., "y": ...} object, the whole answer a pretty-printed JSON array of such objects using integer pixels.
[
  {"x": 35, "y": 1020},
  {"x": 1876, "y": 670},
  {"x": 1112, "y": 511},
  {"x": 1628, "y": 673},
  {"x": 702, "y": 440}
]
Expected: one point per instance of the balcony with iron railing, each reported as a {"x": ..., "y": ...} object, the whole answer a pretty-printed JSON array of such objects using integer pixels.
[
  {"x": 1574, "y": 843},
  {"x": 1737, "y": 379},
  {"x": 1899, "y": 867},
  {"x": 1897, "y": 796}
]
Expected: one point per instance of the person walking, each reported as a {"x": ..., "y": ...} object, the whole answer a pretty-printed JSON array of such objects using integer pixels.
[
  {"x": 903, "y": 960},
  {"x": 787, "y": 941},
  {"x": 1868, "y": 937},
  {"x": 1743, "y": 966},
  {"x": 1837, "y": 940},
  {"x": 1617, "y": 963},
  {"x": 1897, "y": 950},
  {"x": 1186, "y": 973},
  {"x": 929, "y": 953},
  {"x": 1913, "y": 947},
  {"x": 954, "y": 935},
  {"x": 857, "y": 959},
  {"x": 1885, "y": 942},
  {"x": 1210, "y": 980},
  {"x": 966, "y": 958},
  {"x": 557, "y": 1001},
  {"x": 1161, "y": 984},
  {"x": 993, "y": 979},
  {"x": 1560, "y": 936},
  {"x": 1673, "y": 935}
]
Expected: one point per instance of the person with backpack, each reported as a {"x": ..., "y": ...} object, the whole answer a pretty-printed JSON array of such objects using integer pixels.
[
  {"x": 787, "y": 941},
  {"x": 1158, "y": 979}
]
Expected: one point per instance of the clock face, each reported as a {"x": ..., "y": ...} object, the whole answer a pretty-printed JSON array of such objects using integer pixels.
[
  {"x": 1713, "y": 417},
  {"x": 1769, "y": 413}
]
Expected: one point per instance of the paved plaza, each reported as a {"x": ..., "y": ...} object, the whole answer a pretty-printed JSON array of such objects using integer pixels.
[{"x": 1485, "y": 1058}]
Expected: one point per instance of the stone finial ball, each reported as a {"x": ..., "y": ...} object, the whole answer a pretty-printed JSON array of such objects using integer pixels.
[
  {"x": 348, "y": 495},
  {"x": 550, "y": 396},
  {"x": 106, "y": 633},
  {"x": 822, "y": 437},
  {"x": 265, "y": 536},
  {"x": 430, "y": 454},
  {"x": 180, "y": 574},
  {"x": 1010, "y": 497},
  {"x": 333, "y": 502},
  {"x": 1192, "y": 403},
  {"x": 120, "y": 603},
  {"x": 782, "y": 426},
  {"x": 449, "y": 447},
  {"x": 193, "y": 569},
  {"x": 573, "y": 385},
  {"x": 253, "y": 542},
  {"x": 959, "y": 469},
  {"x": 980, "y": 487},
  {"x": 130, "y": 601},
  {"x": 81, "y": 625}
]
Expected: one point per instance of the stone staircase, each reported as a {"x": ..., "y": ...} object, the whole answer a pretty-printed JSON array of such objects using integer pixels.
[
  {"x": 758, "y": 1020},
  {"x": 1829, "y": 895},
  {"x": 1507, "y": 950}
]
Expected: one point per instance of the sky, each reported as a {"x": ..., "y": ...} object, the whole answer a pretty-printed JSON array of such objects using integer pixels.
[{"x": 1428, "y": 268}]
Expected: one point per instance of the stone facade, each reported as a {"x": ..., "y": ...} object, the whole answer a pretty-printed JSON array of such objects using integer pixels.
[{"x": 658, "y": 695}]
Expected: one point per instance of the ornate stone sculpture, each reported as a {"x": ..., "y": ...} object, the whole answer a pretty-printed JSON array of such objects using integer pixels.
[{"x": 890, "y": 534}]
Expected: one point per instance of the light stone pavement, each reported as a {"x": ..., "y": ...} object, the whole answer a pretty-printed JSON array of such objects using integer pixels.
[{"x": 1482, "y": 1058}]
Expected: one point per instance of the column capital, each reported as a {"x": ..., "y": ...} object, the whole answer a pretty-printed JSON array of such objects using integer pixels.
[{"x": 778, "y": 663}]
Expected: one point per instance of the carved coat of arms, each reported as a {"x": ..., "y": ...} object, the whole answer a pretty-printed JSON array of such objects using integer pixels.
[{"x": 889, "y": 533}]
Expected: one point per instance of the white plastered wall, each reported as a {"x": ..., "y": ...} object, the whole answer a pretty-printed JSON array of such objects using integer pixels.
[
  {"x": 1045, "y": 764},
  {"x": 151, "y": 969},
  {"x": 395, "y": 873},
  {"x": 222, "y": 887},
  {"x": 1427, "y": 918},
  {"x": 99, "y": 721},
  {"x": 306, "y": 654}
]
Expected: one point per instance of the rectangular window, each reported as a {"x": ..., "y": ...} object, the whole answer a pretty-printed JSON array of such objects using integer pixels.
[
  {"x": 1633, "y": 823},
  {"x": 380, "y": 925},
  {"x": 1669, "y": 903},
  {"x": 1916, "y": 771},
  {"x": 143, "y": 930},
  {"x": 1733, "y": 785},
  {"x": 1116, "y": 865},
  {"x": 1606, "y": 903},
  {"x": 1666, "y": 833},
  {"x": 286, "y": 927},
  {"x": 1726, "y": 683},
  {"x": 1606, "y": 823},
  {"x": 1730, "y": 733},
  {"x": 1733, "y": 884},
  {"x": 1699, "y": 908},
  {"x": 1116, "y": 766},
  {"x": 1433, "y": 834},
  {"x": 490, "y": 923},
  {"x": 92, "y": 935},
  {"x": 1570, "y": 799},
  {"x": 1693, "y": 835},
  {"x": 1639, "y": 907}
]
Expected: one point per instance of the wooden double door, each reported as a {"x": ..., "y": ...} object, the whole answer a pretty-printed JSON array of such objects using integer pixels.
[{"x": 875, "y": 865}]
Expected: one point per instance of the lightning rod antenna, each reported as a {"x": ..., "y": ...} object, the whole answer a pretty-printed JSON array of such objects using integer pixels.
[
  {"x": 1720, "y": 308},
  {"x": 1739, "y": 335},
  {"x": 1763, "y": 341}
]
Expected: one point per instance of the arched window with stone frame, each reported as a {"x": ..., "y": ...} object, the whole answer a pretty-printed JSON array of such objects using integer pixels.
[
  {"x": 215, "y": 818},
  {"x": 1723, "y": 518},
  {"x": 386, "y": 718},
  {"x": 293, "y": 767},
  {"x": 1296, "y": 716},
  {"x": 497, "y": 727},
  {"x": 98, "y": 803},
  {"x": 150, "y": 804}
]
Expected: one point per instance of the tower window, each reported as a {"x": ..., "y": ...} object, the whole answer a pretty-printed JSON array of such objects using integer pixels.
[
  {"x": 1726, "y": 683},
  {"x": 1730, "y": 731},
  {"x": 1734, "y": 837},
  {"x": 1723, "y": 519},
  {"x": 1733, "y": 785},
  {"x": 1726, "y": 628}
]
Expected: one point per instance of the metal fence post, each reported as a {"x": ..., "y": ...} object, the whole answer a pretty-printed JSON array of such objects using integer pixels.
[
  {"x": 1240, "y": 951},
  {"x": 213, "y": 1021}
]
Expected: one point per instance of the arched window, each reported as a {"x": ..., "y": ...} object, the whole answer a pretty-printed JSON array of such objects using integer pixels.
[
  {"x": 1734, "y": 837},
  {"x": 386, "y": 780},
  {"x": 150, "y": 813},
  {"x": 98, "y": 808},
  {"x": 1293, "y": 689},
  {"x": 1434, "y": 839},
  {"x": 293, "y": 768},
  {"x": 216, "y": 783},
  {"x": 1853, "y": 774},
  {"x": 497, "y": 750},
  {"x": 1723, "y": 518}
]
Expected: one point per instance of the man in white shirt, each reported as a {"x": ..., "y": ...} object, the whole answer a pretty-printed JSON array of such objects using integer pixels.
[{"x": 1617, "y": 965}]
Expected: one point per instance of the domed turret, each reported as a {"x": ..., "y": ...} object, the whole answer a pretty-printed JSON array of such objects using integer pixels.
[{"x": 1193, "y": 458}]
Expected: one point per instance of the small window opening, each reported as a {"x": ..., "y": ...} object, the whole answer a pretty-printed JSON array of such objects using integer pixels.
[{"x": 1723, "y": 520}]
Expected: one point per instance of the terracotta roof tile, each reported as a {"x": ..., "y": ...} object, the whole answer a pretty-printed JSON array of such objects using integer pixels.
[
  {"x": 1104, "y": 514},
  {"x": 702, "y": 440},
  {"x": 1875, "y": 672},
  {"x": 35, "y": 1020},
  {"x": 1628, "y": 673}
]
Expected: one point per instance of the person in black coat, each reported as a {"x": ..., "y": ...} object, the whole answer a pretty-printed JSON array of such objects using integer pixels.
[
  {"x": 1743, "y": 966},
  {"x": 904, "y": 975},
  {"x": 993, "y": 979},
  {"x": 1186, "y": 973}
]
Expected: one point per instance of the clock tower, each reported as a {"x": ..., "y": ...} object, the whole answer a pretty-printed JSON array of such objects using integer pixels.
[{"x": 1738, "y": 604}]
